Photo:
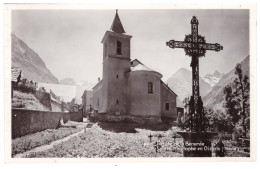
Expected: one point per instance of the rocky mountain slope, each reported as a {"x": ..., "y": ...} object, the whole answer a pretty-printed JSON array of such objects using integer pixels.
[
  {"x": 33, "y": 67},
  {"x": 180, "y": 82},
  {"x": 214, "y": 99}
]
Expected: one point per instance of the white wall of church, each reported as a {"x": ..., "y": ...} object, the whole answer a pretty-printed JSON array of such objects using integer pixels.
[{"x": 140, "y": 101}]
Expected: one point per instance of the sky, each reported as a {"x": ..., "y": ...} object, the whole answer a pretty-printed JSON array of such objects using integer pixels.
[{"x": 69, "y": 41}]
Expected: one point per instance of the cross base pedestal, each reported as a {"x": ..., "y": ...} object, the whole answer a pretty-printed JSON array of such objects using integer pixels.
[{"x": 197, "y": 144}]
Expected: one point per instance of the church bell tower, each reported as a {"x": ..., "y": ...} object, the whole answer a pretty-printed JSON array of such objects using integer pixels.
[{"x": 116, "y": 62}]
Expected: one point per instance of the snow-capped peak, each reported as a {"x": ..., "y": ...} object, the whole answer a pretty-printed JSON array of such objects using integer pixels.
[{"x": 213, "y": 79}]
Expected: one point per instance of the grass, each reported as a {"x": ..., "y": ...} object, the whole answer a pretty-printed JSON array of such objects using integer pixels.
[
  {"x": 28, "y": 142},
  {"x": 27, "y": 101},
  {"x": 109, "y": 140},
  {"x": 97, "y": 142}
]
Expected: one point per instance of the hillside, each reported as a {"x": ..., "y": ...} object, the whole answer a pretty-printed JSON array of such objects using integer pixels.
[
  {"x": 181, "y": 83},
  {"x": 26, "y": 101},
  {"x": 33, "y": 67},
  {"x": 214, "y": 99}
]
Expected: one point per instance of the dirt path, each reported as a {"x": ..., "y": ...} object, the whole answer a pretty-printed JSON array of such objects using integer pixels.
[{"x": 48, "y": 146}]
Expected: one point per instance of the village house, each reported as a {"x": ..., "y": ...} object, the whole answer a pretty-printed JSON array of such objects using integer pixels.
[
  {"x": 75, "y": 105},
  {"x": 87, "y": 102},
  {"x": 129, "y": 90},
  {"x": 58, "y": 97}
]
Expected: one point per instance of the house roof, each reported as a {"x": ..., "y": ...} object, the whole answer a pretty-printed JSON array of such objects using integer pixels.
[
  {"x": 117, "y": 25},
  {"x": 16, "y": 74},
  {"x": 67, "y": 92},
  {"x": 168, "y": 88},
  {"x": 84, "y": 93},
  {"x": 98, "y": 83}
]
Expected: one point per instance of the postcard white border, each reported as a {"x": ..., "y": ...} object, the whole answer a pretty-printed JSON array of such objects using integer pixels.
[{"x": 7, "y": 87}]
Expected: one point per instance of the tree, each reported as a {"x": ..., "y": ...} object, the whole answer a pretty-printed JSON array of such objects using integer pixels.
[
  {"x": 242, "y": 90},
  {"x": 237, "y": 96},
  {"x": 231, "y": 104},
  {"x": 218, "y": 119}
]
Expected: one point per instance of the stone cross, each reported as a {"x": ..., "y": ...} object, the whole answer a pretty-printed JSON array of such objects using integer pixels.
[
  {"x": 195, "y": 46},
  {"x": 150, "y": 136}
]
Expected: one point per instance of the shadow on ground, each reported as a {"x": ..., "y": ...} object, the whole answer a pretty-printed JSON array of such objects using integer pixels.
[{"x": 131, "y": 127}]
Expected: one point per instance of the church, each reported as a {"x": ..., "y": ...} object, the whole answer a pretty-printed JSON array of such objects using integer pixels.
[{"x": 129, "y": 90}]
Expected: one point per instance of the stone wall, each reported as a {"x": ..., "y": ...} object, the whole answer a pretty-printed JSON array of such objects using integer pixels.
[
  {"x": 76, "y": 116},
  {"x": 31, "y": 121}
]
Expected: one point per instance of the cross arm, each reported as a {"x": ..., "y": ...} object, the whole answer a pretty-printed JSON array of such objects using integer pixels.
[
  {"x": 178, "y": 44},
  {"x": 211, "y": 46}
]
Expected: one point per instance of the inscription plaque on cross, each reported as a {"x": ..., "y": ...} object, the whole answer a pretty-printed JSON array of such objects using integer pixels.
[{"x": 195, "y": 46}]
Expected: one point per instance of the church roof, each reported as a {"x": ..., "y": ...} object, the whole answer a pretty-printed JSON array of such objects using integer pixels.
[
  {"x": 117, "y": 25},
  {"x": 142, "y": 67},
  {"x": 136, "y": 65}
]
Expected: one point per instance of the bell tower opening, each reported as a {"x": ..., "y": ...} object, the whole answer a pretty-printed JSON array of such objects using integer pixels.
[{"x": 118, "y": 48}]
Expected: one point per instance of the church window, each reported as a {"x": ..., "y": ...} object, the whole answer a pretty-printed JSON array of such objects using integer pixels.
[
  {"x": 117, "y": 76},
  {"x": 150, "y": 87},
  {"x": 118, "y": 48},
  {"x": 117, "y": 102},
  {"x": 167, "y": 106}
]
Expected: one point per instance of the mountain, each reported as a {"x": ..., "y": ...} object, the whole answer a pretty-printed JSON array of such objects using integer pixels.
[
  {"x": 68, "y": 81},
  {"x": 213, "y": 79},
  {"x": 214, "y": 99},
  {"x": 33, "y": 67},
  {"x": 181, "y": 83},
  {"x": 80, "y": 86}
]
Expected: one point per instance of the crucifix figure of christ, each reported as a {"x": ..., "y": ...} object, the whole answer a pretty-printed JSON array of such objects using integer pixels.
[{"x": 195, "y": 46}]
